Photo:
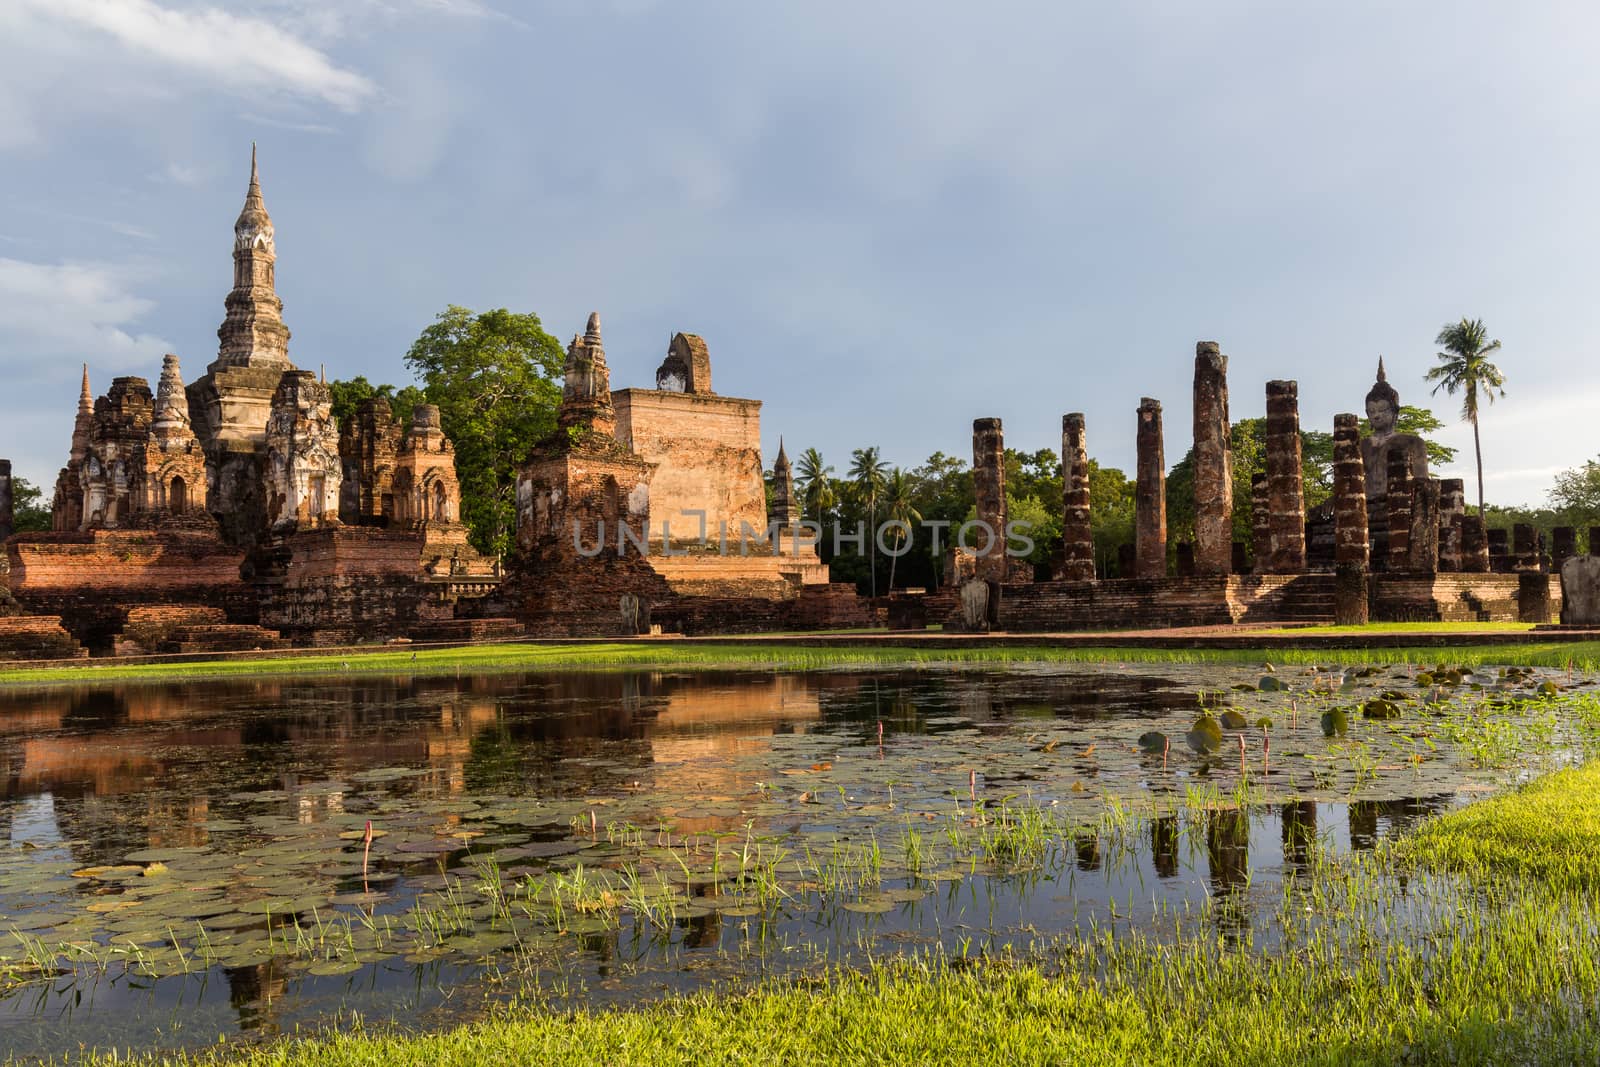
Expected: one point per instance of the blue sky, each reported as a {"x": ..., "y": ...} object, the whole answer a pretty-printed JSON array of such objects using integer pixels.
[{"x": 886, "y": 219}]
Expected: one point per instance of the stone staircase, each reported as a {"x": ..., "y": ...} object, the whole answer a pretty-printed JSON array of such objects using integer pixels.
[
  {"x": 31, "y": 637},
  {"x": 168, "y": 628}
]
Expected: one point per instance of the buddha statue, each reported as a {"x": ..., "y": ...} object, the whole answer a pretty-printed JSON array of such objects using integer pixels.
[{"x": 1383, "y": 409}]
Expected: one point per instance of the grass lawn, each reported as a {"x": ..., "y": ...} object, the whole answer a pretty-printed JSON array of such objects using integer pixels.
[{"x": 756, "y": 655}]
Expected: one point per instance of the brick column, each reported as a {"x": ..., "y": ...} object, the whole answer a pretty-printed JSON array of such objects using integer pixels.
[
  {"x": 1077, "y": 536},
  {"x": 1499, "y": 551},
  {"x": 1424, "y": 557},
  {"x": 1452, "y": 506},
  {"x": 1524, "y": 547},
  {"x": 1260, "y": 523},
  {"x": 1213, "y": 462},
  {"x": 1398, "y": 508},
  {"x": 1474, "y": 545},
  {"x": 989, "y": 486},
  {"x": 1350, "y": 547},
  {"x": 1563, "y": 546},
  {"x": 1286, "y": 504},
  {"x": 1150, "y": 495},
  {"x": 7, "y": 519}
]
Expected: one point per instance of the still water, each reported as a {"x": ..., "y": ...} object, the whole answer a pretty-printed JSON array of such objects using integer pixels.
[{"x": 184, "y": 862}]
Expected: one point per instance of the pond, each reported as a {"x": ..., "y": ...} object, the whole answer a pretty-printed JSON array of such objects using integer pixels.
[{"x": 239, "y": 859}]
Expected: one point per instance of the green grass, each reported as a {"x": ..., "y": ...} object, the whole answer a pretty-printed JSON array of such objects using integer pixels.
[
  {"x": 1548, "y": 830},
  {"x": 674, "y": 655}
]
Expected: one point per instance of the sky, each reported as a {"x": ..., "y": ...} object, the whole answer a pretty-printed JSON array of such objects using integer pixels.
[{"x": 887, "y": 219}]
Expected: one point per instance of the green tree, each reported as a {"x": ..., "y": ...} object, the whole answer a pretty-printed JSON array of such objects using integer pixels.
[
  {"x": 816, "y": 485},
  {"x": 1577, "y": 493},
  {"x": 349, "y": 395},
  {"x": 868, "y": 474},
  {"x": 1464, "y": 368},
  {"x": 899, "y": 504},
  {"x": 30, "y": 513},
  {"x": 496, "y": 379}
]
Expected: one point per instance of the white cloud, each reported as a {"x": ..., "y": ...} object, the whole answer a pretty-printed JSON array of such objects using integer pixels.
[
  {"x": 81, "y": 310},
  {"x": 240, "y": 52}
]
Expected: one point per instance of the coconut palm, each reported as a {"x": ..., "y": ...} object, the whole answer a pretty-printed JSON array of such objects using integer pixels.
[
  {"x": 816, "y": 483},
  {"x": 1464, "y": 368},
  {"x": 899, "y": 506},
  {"x": 867, "y": 475}
]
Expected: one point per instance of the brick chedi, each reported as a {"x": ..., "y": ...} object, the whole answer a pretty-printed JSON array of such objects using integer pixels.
[
  {"x": 1285, "y": 494},
  {"x": 785, "y": 511},
  {"x": 304, "y": 471},
  {"x": 67, "y": 504},
  {"x": 175, "y": 464},
  {"x": 1076, "y": 563},
  {"x": 427, "y": 497},
  {"x": 1150, "y": 495},
  {"x": 1213, "y": 463},
  {"x": 230, "y": 404},
  {"x": 989, "y": 489},
  {"x": 369, "y": 443}
]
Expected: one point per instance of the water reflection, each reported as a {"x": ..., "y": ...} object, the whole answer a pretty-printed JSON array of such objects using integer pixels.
[{"x": 89, "y": 777}]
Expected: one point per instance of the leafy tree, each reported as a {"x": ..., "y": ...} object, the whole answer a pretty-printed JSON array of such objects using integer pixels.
[
  {"x": 868, "y": 474},
  {"x": 349, "y": 395},
  {"x": 1464, "y": 368},
  {"x": 496, "y": 379},
  {"x": 1577, "y": 493},
  {"x": 816, "y": 485},
  {"x": 29, "y": 511},
  {"x": 1111, "y": 505},
  {"x": 899, "y": 503}
]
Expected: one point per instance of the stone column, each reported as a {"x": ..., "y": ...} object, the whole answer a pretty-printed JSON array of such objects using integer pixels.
[
  {"x": 1474, "y": 545},
  {"x": 1285, "y": 495},
  {"x": 1398, "y": 507},
  {"x": 1452, "y": 506},
  {"x": 1499, "y": 551},
  {"x": 1213, "y": 462},
  {"x": 1150, "y": 495},
  {"x": 1350, "y": 547},
  {"x": 1077, "y": 537},
  {"x": 1260, "y": 523},
  {"x": 7, "y": 519},
  {"x": 1425, "y": 527},
  {"x": 989, "y": 486},
  {"x": 1533, "y": 597},
  {"x": 1563, "y": 546},
  {"x": 1524, "y": 547}
]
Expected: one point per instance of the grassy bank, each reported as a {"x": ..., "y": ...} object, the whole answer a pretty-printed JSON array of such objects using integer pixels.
[
  {"x": 776, "y": 656},
  {"x": 1364, "y": 975}
]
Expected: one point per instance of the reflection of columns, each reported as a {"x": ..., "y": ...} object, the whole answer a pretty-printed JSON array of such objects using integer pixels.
[
  {"x": 1150, "y": 495},
  {"x": 1087, "y": 847},
  {"x": 1452, "y": 506},
  {"x": 1164, "y": 846},
  {"x": 1363, "y": 825},
  {"x": 1285, "y": 493},
  {"x": 1299, "y": 831},
  {"x": 1213, "y": 462},
  {"x": 989, "y": 486},
  {"x": 1077, "y": 536},
  {"x": 1350, "y": 548},
  {"x": 1228, "y": 849}
]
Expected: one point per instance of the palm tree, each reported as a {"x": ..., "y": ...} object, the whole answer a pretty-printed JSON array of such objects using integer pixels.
[
  {"x": 1464, "y": 368},
  {"x": 898, "y": 506},
  {"x": 867, "y": 480},
  {"x": 816, "y": 483}
]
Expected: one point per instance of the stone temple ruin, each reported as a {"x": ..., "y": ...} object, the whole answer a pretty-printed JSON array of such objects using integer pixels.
[
  {"x": 1393, "y": 544},
  {"x": 235, "y": 513}
]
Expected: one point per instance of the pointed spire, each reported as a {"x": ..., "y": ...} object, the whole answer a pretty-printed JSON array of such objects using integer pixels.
[
  {"x": 591, "y": 332},
  {"x": 1382, "y": 377},
  {"x": 783, "y": 460},
  {"x": 255, "y": 176},
  {"x": 172, "y": 403},
  {"x": 85, "y": 398}
]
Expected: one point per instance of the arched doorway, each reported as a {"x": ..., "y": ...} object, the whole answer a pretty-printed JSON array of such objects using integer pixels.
[
  {"x": 441, "y": 503},
  {"x": 178, "y": 496}
]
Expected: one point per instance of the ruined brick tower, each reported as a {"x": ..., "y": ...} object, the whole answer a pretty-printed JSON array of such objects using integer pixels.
[
  {"x": 784, "y": 512},
  {"x": 229, "y": 407}
]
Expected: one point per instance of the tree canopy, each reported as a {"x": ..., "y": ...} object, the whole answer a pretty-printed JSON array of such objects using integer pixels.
[
  {"x": 30, "y": 512},
  {"x": 496, "y": 377}
]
